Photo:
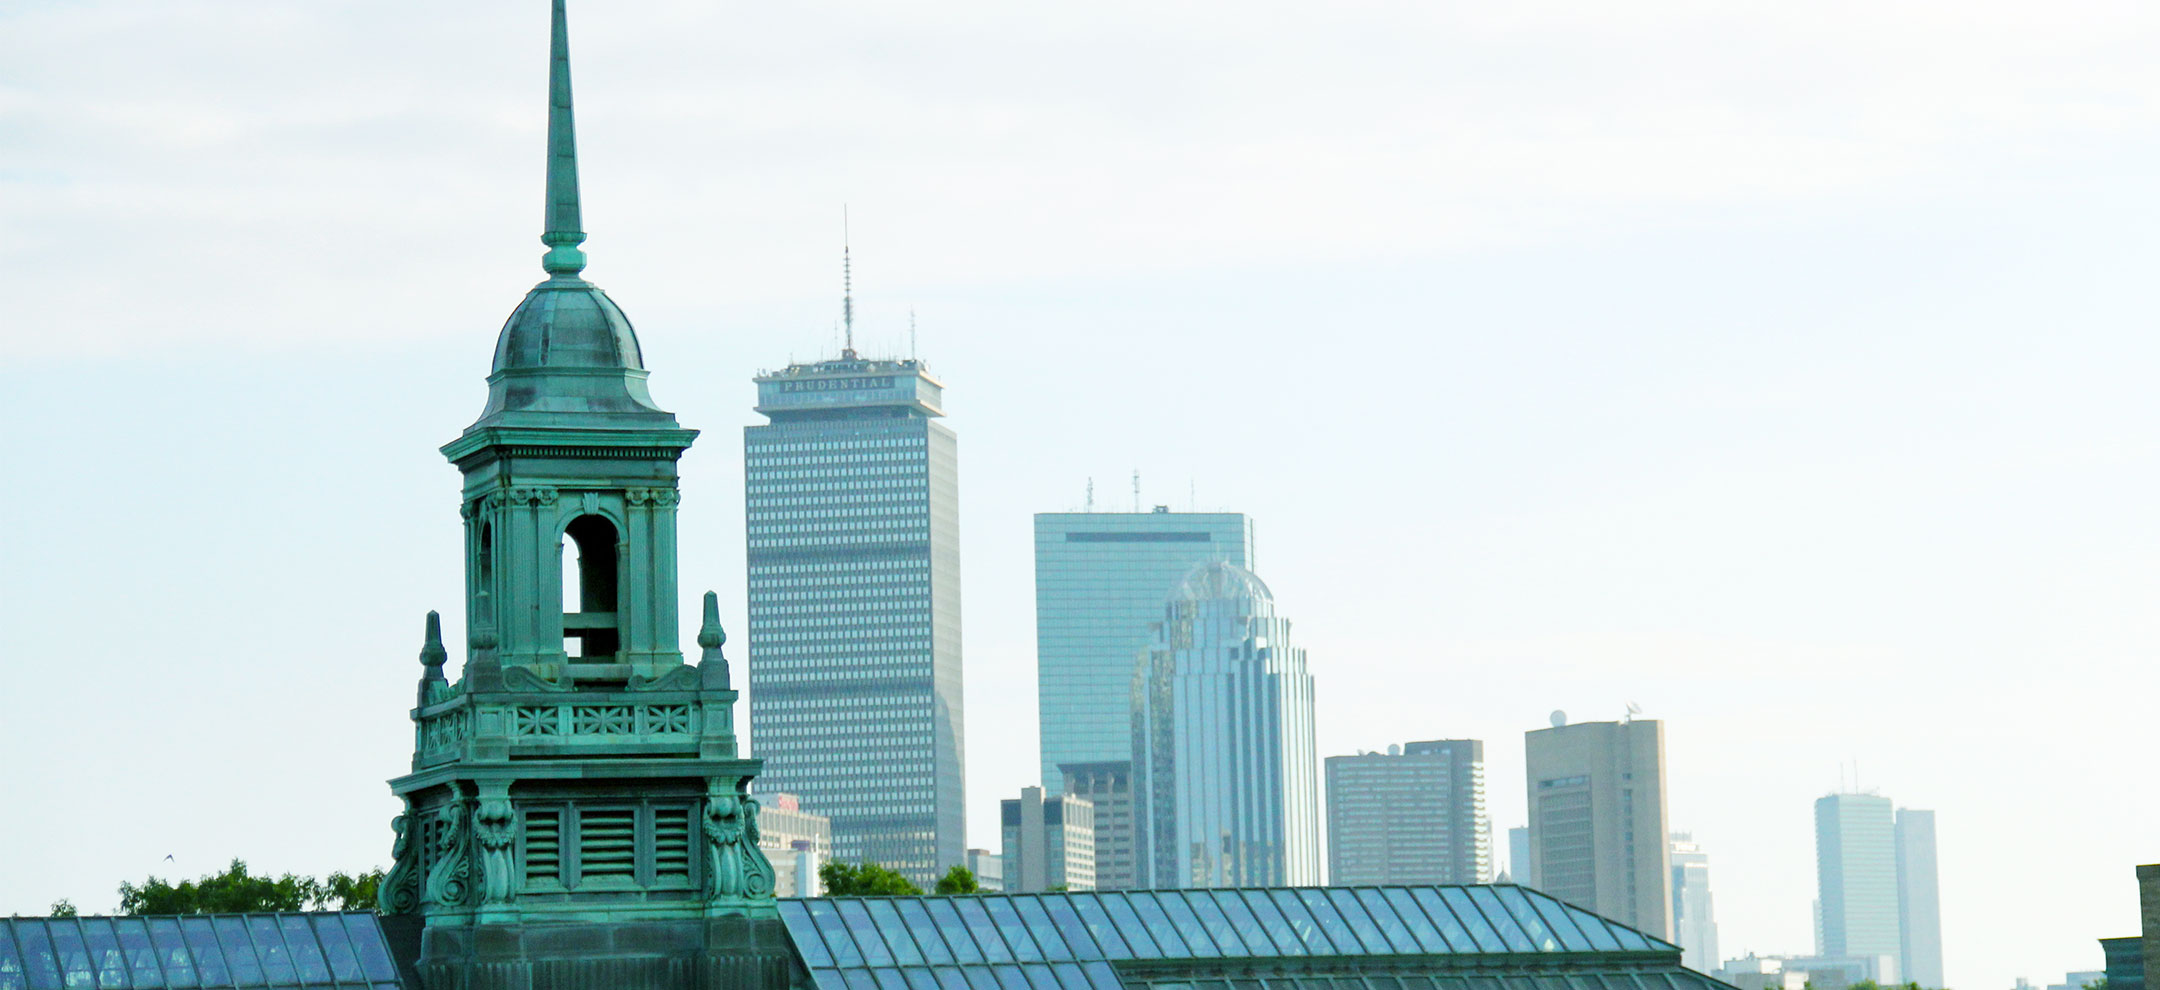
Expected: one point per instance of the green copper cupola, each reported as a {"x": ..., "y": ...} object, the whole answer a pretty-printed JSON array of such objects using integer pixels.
[
  {"x": 579, "y": 785},
  {"x": 567, "y": 356}
]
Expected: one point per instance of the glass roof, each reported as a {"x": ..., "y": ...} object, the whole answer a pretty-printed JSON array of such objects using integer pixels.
[
  {"x": 208, "y": 951},
  {"x": 1068, "y": 941}
]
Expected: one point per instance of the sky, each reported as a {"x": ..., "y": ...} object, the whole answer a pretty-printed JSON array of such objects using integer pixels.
[{"x": 1782, "y": 369}]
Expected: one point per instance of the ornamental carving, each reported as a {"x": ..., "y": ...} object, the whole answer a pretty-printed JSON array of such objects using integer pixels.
[
  {"x": 554, "y": 721},
  {"x": 400, "y": 889},
  {"x": 445, "y": 730},
  {"x": 735, "y": 868},
  {"x": 494, "y": 828},
  {"x": 449, "y": 875},
  {"x": 682, "y": 678},
  {"x": 656, "y": 496}
]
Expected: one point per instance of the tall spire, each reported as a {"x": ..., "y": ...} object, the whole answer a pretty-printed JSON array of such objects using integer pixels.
[
  {"x": 847, "y": 288},
  {"x": 565, "y": 229}
]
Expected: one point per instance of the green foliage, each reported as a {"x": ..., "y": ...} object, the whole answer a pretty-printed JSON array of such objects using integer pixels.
[
  {"x": 864, "y": 880},
  {"x": 63, "y": 908},
  {"x": 2099, "y": 984},
  {"x": 237, "y": 890},
  {"x": 958, "y": 880},
  {"x": 351, "y": 893}
]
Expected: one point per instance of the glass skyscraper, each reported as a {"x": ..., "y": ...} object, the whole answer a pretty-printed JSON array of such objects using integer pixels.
[
  {"x": 1225, "y": 778},
  {"x": 1856, "y": 871},
  {"x": 852, "y": 507},
  {"x": 1100, "y": 580}
]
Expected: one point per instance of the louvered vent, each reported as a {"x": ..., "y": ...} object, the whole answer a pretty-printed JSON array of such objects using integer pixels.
[
  {"x": 607, "y": 845},
  {"x": 543, "y": 846},
  {"x": 671, "y": 844}
]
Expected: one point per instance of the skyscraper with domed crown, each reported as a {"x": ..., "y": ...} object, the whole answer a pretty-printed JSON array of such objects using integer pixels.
[
  {"x": 577, "y": 812},
  {"x": 1225, "y": 778}
]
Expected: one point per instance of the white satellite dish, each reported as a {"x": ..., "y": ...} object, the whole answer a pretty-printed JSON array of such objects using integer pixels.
[{"x": 1559, "y": 719}]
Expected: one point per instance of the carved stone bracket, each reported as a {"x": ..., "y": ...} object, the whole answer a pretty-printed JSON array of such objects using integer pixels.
[
  {"x": 656, "y": 496},
  {"x": 449, "y": 875},
  {"x": 736, "y": 870},
  {"x": 495, "y": 831},
  {"x": 399, "y": 892}
]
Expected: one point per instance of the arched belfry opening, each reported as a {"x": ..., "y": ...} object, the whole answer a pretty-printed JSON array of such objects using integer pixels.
[{"x": 590, "y": 627}]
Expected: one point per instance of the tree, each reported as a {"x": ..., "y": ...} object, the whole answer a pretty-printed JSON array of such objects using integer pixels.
[
  {"x": 352, "y": 893},
  {"x": 958, "y": 880},
  {"x": 237, "y": 890},
  {"x": 2099, "y": 984},
  {"x": 864, "y": 880},
  {"x": 63, "y": 908}
]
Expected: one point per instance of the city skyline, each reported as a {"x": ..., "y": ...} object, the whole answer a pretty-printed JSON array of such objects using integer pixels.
[{"x": 1727, "y": 494}]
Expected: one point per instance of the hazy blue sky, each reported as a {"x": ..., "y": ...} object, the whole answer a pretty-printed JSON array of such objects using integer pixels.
[{"x": 1784, "y": 368}]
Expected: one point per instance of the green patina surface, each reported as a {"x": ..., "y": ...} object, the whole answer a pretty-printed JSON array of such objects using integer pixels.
[{"x": 580, "y": 771}]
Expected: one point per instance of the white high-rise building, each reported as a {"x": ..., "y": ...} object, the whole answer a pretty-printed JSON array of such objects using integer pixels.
[
  {"x": 1694, "y": 924},
  {"x": 1919, "y": 901},
  {"x": 1857, "y": 880},
  {"x": 1225, "y": 778}
]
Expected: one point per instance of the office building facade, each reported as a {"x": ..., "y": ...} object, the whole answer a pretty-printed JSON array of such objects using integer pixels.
[
  {"x": 1598, "y": 827},
  {"x": 1857, "y": 881},
  {"x": 1225, "y": 779},
  {"x": 1100, "y": 581},
  {"x": 1694, "y": 922},
  {"x": 988, "y": 868},
  {"x": 852, "y": 512},
  {"x": 796, "y": 841},
  {"x": 1108, "y": 786},
  {"x": 1919, "y": 900},
  {"x": 1415, "y": 814},
  {"x": 1049, "y": 842}
]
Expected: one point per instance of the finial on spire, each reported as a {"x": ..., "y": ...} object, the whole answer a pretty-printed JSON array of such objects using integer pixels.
[
  {"x": 710, "y": 636},
  {"x": 432, "y": 654},
  {"x": 565, "y": 227},
  {"x": 712, "y": 664},
  {"x": 847, "y": 288}
]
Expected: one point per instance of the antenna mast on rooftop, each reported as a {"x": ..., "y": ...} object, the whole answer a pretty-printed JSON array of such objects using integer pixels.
[
  {"x": 911, "y": 333},
  {"x": 847, "y": 288},
  {"x": 1136, "y": 490},
  {"x": 1091, "y": 495}
]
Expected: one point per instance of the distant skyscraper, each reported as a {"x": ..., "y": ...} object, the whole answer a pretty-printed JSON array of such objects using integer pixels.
[
  {"x": 1919, "y": 902},
  {"x": 1857, "y": 880},
  {"x": 851, "y": 498},
  {"x": 1518, "y": 855},
  {"x": 1694, "y": 924},
  {"x": 796, "y": 841},
  {"x": 1225, "y": 778},
  {"x": 1100, "y": 580},
  {"x": 1597, "y": 820},
  {"x": 1412, "y": 815},
  {"x": 988, "y": 867},
  {"x": 1108, "y": 786},
  {"x": 1049, "y": 842}
]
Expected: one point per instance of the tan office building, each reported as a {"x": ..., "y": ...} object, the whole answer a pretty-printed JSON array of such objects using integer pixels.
[{"x": 1597, "y": 820}]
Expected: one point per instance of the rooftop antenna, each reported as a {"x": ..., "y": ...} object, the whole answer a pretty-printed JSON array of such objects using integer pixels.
[
  {"x": 911, "y": 333},
  {"x": 1192, "y": 495},
  {"x": 847, "y": 287},
  {"x": 1091, "y": 495},
  {"x": 1136, "y": 490}
]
